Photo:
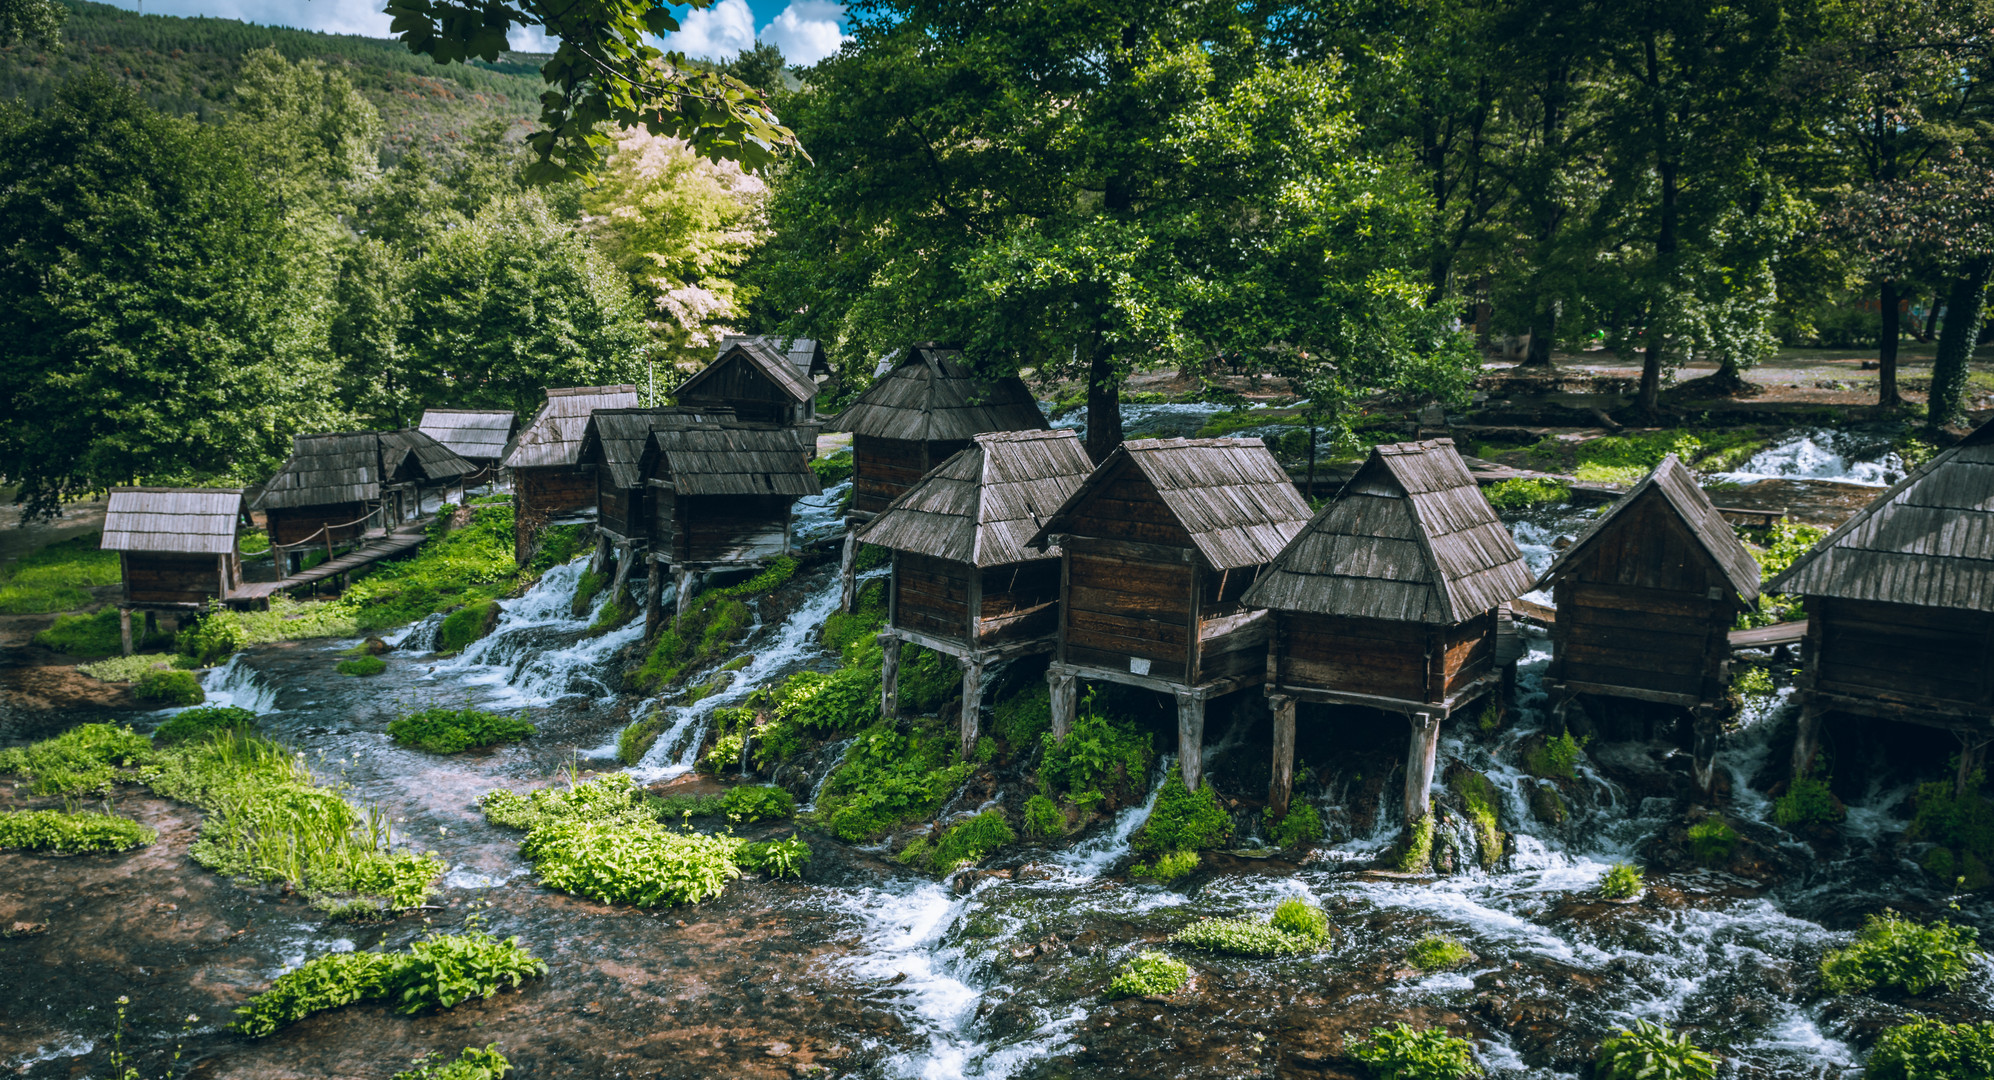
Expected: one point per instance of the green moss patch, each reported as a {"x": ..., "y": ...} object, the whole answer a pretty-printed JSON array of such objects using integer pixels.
[
  {"x": 169, "y": 688},
  {"x": 449, "y": 731},
  {"x": 465, "y": 625},
  {"x": 1150, "y": 973},
  {"x": 361, "y": 666},
  {"x": 438, "y": 972},
  {"x": 71, "y": 832},
  {"x": 57, "y": 577}
]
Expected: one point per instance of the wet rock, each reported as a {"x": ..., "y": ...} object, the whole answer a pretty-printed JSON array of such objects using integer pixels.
[
  {"x": 966, "y": 881},
  {"x": 778, "y": 1049},
  {"x": 374, "y": 646},
  {"x": 1546, "y": 805},
  {"x": 24, "y": 929}
]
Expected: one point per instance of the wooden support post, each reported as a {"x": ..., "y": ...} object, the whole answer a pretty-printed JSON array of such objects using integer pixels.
[
  {"x": 125, "y": 628},
  {"x": 848, "y": 569},
  {"x": 1420, "y": 754},
  {"x": 625, "y": 552},
  {"x": 1191, "y": 737},
  {"x": 1706, "y": 723},
  {"x": 1065, "y": 695},
  {"x": 1972, "y": 745},
  {"x": 599, "y": 561},
  {"x": 1283, "y": 783},
  {"x": 972, "y": 703},
  {"x": 654, "y": 599},
  {"x": 889, "y": 677},
  {"x": 1807, "y": 739}
]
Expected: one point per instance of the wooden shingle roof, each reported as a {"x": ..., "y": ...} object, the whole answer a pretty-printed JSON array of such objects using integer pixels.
[
  {"x": 984, "y": 504},
  {"x": 410, "y": 454},
  {"x": 554, "y": 438},
  {"x": 1409, "y": 538},
  {"x": 733, "y": 459},
  {"x": 326, "y": 469},
  {"x": 763, "y": 358},
  {"x": 617, "y": 438},
  {"x": 473, "y": 434},
  {"x": 931, "y": 395},
  {"x": 1673, "y": 482},
  {"x": 1229, "y": 494},
  {"x": 195, "y": 521},
  {"x": 1927, "y": 541}
]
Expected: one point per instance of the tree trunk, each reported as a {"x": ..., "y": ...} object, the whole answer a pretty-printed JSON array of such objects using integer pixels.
[
  {"x": 1965, "y": 305},
  {"x": 1543, "y": 331},
  {"x": 1665, "y": 253},
  {"x": 1886, "y": 348},
  {"x": 1932, "y": 318},
  {"x": 1104, "y": 405}
]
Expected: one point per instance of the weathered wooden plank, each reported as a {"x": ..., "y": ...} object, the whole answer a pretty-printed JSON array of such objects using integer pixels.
[
  {"x": 1163, "y": 630},
  {"x": 1118, "y": 660},
  {"x": 1613, "y": 655},
  {"x": 1580, "y": 670}
]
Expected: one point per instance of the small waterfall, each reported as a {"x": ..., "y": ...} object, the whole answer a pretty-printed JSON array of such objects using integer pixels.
[
  {"x": 417, "y": 637},
  {"x": 236, "y": 684},
  {"x": 833, "y": 757},
  {"x": 790, "y": 643},
  {"x": 537, "y": 654},
  {"x": 1090, "y": 858},
  {"x": 818, "y": 517}
]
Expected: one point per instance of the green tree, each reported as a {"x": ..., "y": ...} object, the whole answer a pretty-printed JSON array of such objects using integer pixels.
[
  {"x": 37, "y": 19},
  {"x": 1079, "y": 189},
  {"x": 310, "y": 136},
  {"x": 369, "y": 335},
  {"x": 147, "y": 281},
  {"x": 513, "y": 302}
]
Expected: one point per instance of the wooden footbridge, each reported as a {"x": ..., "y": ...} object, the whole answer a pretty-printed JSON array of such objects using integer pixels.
[{"x": 375, "y": 546}]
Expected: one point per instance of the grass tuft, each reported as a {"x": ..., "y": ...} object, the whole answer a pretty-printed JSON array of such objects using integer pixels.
[
  {"x": 71, "y": 832},
  {"x": 1150, "y": 973},
  {"x": 448, "y": 731}
]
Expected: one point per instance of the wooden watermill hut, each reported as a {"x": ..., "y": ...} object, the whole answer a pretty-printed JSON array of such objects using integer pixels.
[
  {"x": 756, "y": 381},
  {"x": 336, "y": 488},
  {"x": 1900, "y": 607},
  {"x": 1645, "y": 599},
  {"x": 479, "y": 436},
  {"x": 176, "y": 549},
  {"x": 415, "y": 465},
  {"x": 1391, "y": 598},
  {"x": 964, "y": 583},
  {"x": 1157, "y": 548},
  {"x": 613, "y": 447},
  {"x": 549, "y": 482},
  {"x": 719, "y": 496},
  {"x": 916, "y": 416}
]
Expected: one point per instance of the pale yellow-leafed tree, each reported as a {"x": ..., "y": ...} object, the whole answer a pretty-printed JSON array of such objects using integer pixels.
[{"x": 680, "y": 226}]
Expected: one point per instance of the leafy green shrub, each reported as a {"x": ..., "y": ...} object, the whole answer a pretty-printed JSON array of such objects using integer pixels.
[
  {"x": 845, "y": 630},
  {"x": 1436, "y": 953},
  {"x": 466, "y": 625},
  {"x": 636, "y": 740},
  {"x": 448, "y": 731},
  {"x": 1478, "y": 797},
  {"x": 1963, "y": 827},
  {"x": 833, "y": 469},
  {"x": 971, "y": 841},
  {"x": 471, "y": 1064},
  {"x": 1295, "y": 927},
  {"x": 1300, "y": 919},
  {"x": 1754, "y": 684},
  {"x": 1182, "y": 821},
  {"x": 872, "y": 557},
  {"x": 199, "y": 723},
  {"x": 71, "y": 832},
  {"x": 1621, "y": 881},
  {"x": 1711, "y": 841},
  {"x": 1103, "y": 754},
  {"x": 725, "y": 752},
  {"x": 58, "y": 576},
  {"x": 1557, "y": 759},
  {"x": 1418, "y": 854},
  {"x": 1807, "y": 802},
  {"x": 1523, "y": 494},
  {"x": 600, "y": 839},
  {"x": 888, "y": 778},
  {"x": 557, "y": 546},
  {"x": 1891, "y": 950},
  {"x": 684, "y": 805},
  {"x": 587, "y": 587},
  {"x": 128, "y": 668},
  {"x": 1021, "y": 718},
  {"x": 88, "y": 757},
  {"x": 927, "y": 679},
  {"x": 1167, "y": 867},
  {"x": 758, "y": 802},
  {"x": 439, "y": 971},
  {"x": 1302, "y": 825},
  {"x": 1649, "y": 1052},
  {"x": 169, "y": 688},
  {"x": 361, "y": 666},
  {"x": 1926, "y": 1049},
  {"x": 1149, "y": 973},
  {"x": 1400, "y": 1052},
  {"x": 1043, "y": 820},
  {"x": 776, "y": 858},
  {"x": 219, "y": 633}
]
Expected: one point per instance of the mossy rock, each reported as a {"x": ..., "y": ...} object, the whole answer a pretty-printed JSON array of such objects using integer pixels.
[
  {"x": 466, "y": 625},
  {"x": 1546, "y": 805},
  {"x": 169, "y": 688}
]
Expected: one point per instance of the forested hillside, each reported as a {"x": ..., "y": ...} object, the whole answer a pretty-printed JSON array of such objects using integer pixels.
[{"x": 189, "y": 66}]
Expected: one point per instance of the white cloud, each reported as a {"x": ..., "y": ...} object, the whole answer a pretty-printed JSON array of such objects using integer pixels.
[
  {"x": 533, "y": 39},
  {"x": 720, "y": 32},
  {"x": 331, "y": 16},
  {"x": 807, "y": 30}
]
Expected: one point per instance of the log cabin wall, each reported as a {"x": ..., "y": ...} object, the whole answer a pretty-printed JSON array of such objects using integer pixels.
[
  {"x": 663, "y": 532},
  {"x": 293, "y": 525},
  {"x": 737, "y": 385},
  {"x": 1900, "y": 653},
  {"x": 884, "y": 468},
  {"x": 557, "y": 490},
  {"x": 1380, "y": 657},
  {"x": 931, "y": 596},
  {"x": 1020, "y": 602},
  {"x": 1647, "y": 608},
  {"x": 619, "y": 509},
  {"x": 155, "y": 577},
  {"x": 731, "y": 528}
]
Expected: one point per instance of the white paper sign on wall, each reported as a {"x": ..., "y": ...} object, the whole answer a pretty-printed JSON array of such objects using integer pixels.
[{"x": 1139, "y": 665}]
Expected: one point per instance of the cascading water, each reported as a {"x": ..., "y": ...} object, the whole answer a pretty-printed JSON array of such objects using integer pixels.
[
  {"x": 539, "y": 652},
  {"x": 236, "y": 684},
  {"x": 1822, "y": 455}
]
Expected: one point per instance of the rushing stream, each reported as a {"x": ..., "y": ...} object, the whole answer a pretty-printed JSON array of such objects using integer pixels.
[{"x": 867, "y": 969}]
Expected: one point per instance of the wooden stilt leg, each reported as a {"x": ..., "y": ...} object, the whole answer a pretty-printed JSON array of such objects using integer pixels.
[
  {"x": 599, "y": 561},
  {"x": 623, "y": 559},
  {"x": 654, "y": 599},
  {"x": 1064, "y": 698},
  {"x": 1191, "y": 737},
  {"x": 848, "y": 570},
  {"x": 1806, "y": 740},
  {"x": 125, "y": 628},
  {"x": 1281, "y": 787},
  {"x": 1706, "y": 723},
  {"x": 972, "y": 704},
  {"x": 889, "y": 677},
  {"x": 1972, "y": 747},
  {"x": 1420, "y": 754}
]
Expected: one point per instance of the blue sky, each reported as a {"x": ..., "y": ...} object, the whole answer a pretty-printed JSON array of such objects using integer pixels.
[{"x": 805, "y": 30}]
